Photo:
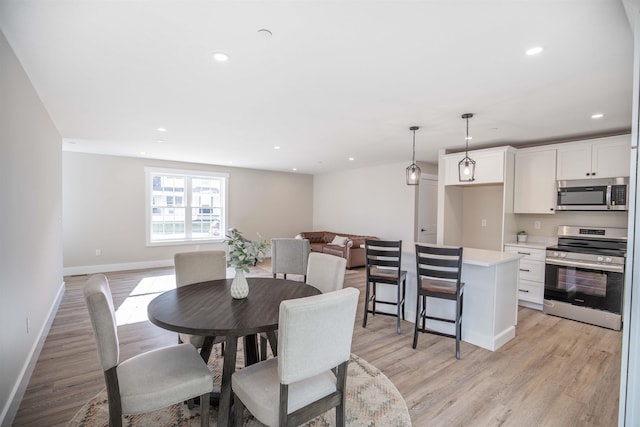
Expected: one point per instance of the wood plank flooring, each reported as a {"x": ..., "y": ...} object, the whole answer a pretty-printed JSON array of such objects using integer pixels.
[{"x": 556, "y": 372}]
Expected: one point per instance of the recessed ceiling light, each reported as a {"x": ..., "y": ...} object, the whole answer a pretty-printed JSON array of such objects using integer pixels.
[
  {"x": 534, "y": 50},
  {"x": 276, "y": 147},
  {"x": 143, "y": 152},
  {"x": 597, "y": 116},
  {"x": 264, "y": 33},
  {"x": 220, "y": 56},
  {"x": 294, "y": 169},
  {"x": 162, "y": 129},
  {"x": 351, "y": 159}
]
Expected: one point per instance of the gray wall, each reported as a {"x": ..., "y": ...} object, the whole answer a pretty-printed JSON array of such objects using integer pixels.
[
  {"x": 104, "y": 208},
  {"x": 31, "y": 225}
]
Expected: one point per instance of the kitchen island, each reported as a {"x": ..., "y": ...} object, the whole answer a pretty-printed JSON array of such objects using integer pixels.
[{"x": 490, "y": 305}]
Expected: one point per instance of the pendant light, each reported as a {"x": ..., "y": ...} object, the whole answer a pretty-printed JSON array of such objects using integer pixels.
[
  {"x": 413, "y": 171},
  {"x": 467, "y": 166}
]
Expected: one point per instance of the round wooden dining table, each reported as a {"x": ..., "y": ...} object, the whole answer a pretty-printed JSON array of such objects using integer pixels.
[{"x": 208, "y": 309}]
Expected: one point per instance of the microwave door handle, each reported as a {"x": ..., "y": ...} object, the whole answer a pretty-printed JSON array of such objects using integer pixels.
[{"x": 608, "y": 197}]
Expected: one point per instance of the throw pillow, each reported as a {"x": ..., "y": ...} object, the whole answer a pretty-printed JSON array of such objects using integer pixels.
[{"x": 338, "y": 241}]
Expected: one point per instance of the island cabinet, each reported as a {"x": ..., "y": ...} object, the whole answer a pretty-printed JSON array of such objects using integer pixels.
[
  {"x": 490, "y": 304},
  {"x": 597, "y": 158},
  {"x": 534, "y": 190},
  {"x": 530, "y": 273}
]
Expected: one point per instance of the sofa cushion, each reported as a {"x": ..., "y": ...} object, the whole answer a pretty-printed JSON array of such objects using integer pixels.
[
  {"x": 317, "y": 247},
  {"x": 339, "y": 240},
  {"x": 334, "y": 250}
]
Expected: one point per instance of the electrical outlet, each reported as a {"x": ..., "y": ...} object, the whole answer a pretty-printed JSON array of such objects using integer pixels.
[
  {"x": 483, "y": 222},
  {"x": 536, "y": 225},
  {"x": 98, "y": 252}
]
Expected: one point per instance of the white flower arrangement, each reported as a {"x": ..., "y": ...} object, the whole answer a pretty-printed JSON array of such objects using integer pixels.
[{"x": 244, "y": 252}]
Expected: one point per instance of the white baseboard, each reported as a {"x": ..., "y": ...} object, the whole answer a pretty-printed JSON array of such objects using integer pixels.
[
  {"x": 15, "y": 398},
  {"x": 104, "y": 268}
]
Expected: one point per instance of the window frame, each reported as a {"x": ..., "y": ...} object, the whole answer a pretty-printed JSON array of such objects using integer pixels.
[{"x": 188, "y": 175}]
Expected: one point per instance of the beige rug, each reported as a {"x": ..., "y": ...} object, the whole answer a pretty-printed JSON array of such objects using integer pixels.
[{"x": 372, "y": 400}]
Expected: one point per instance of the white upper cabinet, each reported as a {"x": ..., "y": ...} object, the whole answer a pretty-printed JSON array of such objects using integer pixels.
[
  {"x": 489, "y": 166},
  {"x": 598, "y": 158},
  {"x": 535, "y": 181}
]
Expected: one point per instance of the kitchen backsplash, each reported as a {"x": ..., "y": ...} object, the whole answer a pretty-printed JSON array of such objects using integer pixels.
[{"x": 549, "y": 223}]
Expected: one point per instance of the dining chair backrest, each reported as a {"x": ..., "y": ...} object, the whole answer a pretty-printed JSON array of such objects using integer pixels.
[
  {"x": 315, "y": 334},
  {"x": 439, "y": 262},
  {"x": 326, "y": 272},
  {"x": 103, "y": 320},
  {"x": 199, "y": 266},
  {"x": 383, "y": 256},
  {"x": 289, "y": 256}
]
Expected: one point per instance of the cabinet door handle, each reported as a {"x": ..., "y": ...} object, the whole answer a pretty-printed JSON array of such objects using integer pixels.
[
  {"x": 588, "y": 174},
  {"x": 524, "y": 253},
  {"x": 524, "y": 290},
  {"x": 522, "y": 269}
]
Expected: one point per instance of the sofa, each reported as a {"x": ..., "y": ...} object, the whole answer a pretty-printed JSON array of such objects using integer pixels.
[{"x": 347, "y": 246}]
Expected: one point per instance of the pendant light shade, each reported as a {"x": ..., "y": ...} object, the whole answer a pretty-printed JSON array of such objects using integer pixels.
[
  {"x": 467, "y": 166},
  {"x": 413, "y": 171}
]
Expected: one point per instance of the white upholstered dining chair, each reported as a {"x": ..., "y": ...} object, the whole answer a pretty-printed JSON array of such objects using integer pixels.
[
  {"x": 326, "y": 273},
  {"x": 299, "y": 384},
  {"x": 148, "y": 381},
  {"x": 197, "y": 267}
]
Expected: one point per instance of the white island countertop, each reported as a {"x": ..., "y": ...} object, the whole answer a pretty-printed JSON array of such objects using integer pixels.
[{"x": 487, "y": 258}]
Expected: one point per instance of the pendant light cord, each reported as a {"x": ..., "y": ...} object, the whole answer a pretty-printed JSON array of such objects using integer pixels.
[
  {"x": 466, "y": 149},
  {"x": 413, "y": 158}
]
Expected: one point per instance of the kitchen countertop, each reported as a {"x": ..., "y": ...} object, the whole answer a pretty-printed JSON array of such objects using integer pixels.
[{"x": 487, "y": 258}]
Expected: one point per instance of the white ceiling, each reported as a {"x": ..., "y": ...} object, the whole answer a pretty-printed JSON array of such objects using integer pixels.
[{"x": 337, "y": 79}]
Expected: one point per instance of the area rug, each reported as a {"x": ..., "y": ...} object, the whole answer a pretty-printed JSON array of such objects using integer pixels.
[{"x": 372, "y": 400}]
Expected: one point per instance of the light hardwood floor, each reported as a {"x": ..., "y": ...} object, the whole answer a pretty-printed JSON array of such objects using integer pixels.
[{"x": 556, "y": 372}]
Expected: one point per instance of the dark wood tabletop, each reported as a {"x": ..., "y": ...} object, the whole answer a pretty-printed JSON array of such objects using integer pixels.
[{"x": 208, "y": 309}]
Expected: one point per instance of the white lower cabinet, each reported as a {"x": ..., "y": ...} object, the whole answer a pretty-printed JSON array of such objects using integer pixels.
[{"x": 531, "y": 275}]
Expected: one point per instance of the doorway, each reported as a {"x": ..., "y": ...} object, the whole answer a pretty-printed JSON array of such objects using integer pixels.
[{"x": 426, "y": 231}]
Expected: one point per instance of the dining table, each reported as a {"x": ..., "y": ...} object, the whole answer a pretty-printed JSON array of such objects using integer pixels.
[{"x": 209, "y": 310}]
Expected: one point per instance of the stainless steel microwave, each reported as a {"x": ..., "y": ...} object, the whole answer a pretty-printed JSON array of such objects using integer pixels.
[{"x": 600, "y": 194}]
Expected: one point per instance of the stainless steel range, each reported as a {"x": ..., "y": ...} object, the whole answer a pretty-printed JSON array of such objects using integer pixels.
[{"x": 584, "y": 275}]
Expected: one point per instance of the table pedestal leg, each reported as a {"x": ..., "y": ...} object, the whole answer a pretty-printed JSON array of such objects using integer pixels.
[
  {"x": 229, "y": 365},
  {"x": 251, "y": 350}
]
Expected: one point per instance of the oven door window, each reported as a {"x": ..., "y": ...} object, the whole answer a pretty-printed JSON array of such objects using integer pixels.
[{"x": 585, "y": 287}]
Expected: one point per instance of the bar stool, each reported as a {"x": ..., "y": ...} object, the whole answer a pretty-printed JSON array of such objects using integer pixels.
[
  {"x": 383, "y": 261},
  {"x": 438, "y": 276}
]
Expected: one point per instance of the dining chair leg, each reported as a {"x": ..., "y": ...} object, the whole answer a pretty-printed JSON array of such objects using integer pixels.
[
  {"x": 204, "y": 410},
  {"x": 399, "y": 307},
  {"x": 404, "y": 296},
  {"x": 238, "y": 408},
  {"x": 366, "y": 305},
  {"x": 415, "y": 326}
]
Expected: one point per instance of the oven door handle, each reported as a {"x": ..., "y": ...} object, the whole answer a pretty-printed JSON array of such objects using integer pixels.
[{"x": 586, "y": 265}]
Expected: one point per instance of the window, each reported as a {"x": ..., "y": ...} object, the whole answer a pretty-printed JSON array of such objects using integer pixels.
[{"x": 185, "y": 206}]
